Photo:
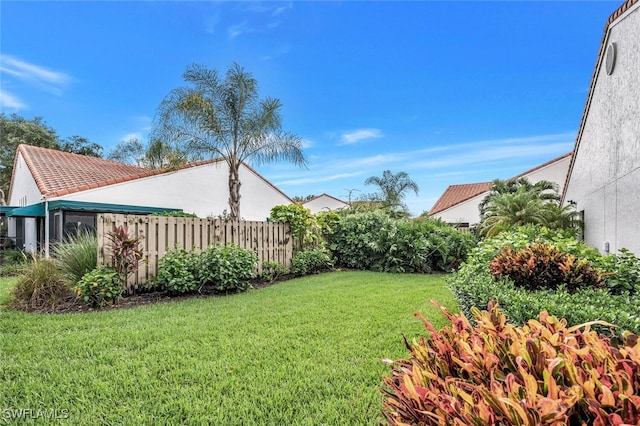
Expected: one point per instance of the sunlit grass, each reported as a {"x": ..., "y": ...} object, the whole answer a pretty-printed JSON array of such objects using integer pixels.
[{"x": 305, "y": 351}]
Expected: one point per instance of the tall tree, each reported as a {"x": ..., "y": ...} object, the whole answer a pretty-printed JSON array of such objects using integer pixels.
[
  {"x": 393, "y": 189},
  {"x": 16, "y": 130},
  {"x": 225, "y": 118},
  {"x": 155, "y": 154}
]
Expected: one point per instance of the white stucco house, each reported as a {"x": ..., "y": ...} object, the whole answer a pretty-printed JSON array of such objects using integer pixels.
[
  {"x": 53, "y": 192},
  {"x": 604, "y": 175},
  {"x": 324, "y": 202},
  {"x": 459, "y": 204}
]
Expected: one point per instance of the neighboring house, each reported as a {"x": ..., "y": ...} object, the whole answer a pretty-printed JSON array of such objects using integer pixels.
[
  {"x": 53, "y": 193},
  {"x": 324, "y": 203},
  {"x": 604, "y": 176},
  {"x": 459, "y": 204}
]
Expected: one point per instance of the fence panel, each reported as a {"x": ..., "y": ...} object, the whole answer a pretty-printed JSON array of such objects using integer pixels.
[{"x": 270, "y": 241}]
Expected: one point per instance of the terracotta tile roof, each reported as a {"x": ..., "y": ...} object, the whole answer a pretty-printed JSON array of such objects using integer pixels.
[
  {"x": 456, "y": 194},
  {"x": 615, "y": 15},
  {"x": 59, "y": 173}
]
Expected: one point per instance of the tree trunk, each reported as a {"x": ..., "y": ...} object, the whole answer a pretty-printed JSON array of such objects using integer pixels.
[{"x": 234, "y": 191}]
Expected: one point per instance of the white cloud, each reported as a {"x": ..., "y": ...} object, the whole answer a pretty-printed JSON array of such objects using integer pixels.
[
  {"x": 7, "y": 100},
  {"x": 132, "y": 135},
  {"x": 355, "y": 136},
  {"x": 51, "y": 81},
  {"x": 239, "y": 29}
]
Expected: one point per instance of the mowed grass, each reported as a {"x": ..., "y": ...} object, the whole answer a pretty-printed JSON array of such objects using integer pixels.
[{"x": 302, "y": 352}]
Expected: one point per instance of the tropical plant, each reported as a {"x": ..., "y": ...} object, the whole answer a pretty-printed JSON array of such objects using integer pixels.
[
  {"x": 226, "y": 119},
  {"x": 311, "y": 261},
  {"x": 77, "y": 255},
  {"x": 544, "y": 189},
  {"x": 543, "y": 373},
  {"x": 125, "y": 251},
  {"x": 393, "y": 189}
]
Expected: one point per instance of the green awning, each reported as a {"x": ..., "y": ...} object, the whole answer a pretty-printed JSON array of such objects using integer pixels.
[
  {"x": 5, "y": 210},
  {"x": 105, "y": 207},
  {"x": 34, "y": 210},
  {"x": 38, "y": 210}
]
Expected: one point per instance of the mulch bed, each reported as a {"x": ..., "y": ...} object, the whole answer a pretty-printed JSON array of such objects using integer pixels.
[{"x": 141, "y": 299}]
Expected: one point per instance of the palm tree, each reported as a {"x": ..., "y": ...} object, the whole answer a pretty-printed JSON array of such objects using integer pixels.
[
  {"x": 226, "y": 119},
  {"x": 544, "y": 189},
  {"x": 393, "y": 189},
  {"x": 512, "y": 209}
]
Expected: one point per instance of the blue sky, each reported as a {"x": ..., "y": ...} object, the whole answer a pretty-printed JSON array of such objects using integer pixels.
[{"x": 449, "y": 92}]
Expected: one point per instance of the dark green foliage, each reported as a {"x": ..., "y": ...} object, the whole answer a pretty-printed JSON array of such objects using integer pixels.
[
  {"x": 474, "y": 286},
  {"x": 175, "y": 214},
  {"x": 177, "y": 271},
  {"x": 125, "y": 251},
  {"x": 76, "y": 256},
  {"x": 311, "y": 261},
  {"x": 100, "y": 287},
  {"x": 374, "y": 241},
  {"x": 271, "y": 271},
  {"x": 621, "y": 272},
  {"x": 40, "y": 287},
  {"x": 542, "y": 266},
  {"x": 227, "y": 268},
  {"x": 223, "y": 268}
]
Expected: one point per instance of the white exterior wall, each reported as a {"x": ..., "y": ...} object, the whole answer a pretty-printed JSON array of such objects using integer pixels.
[
  {"x": 555, "y": 172},
  {"x": 324, "y": 203},
  {"x": 202, "y": 190},
  {"x": 24, "y": 191},
  {"x": 465, "y": 212},
  {"x": 605, "y": 179},
  {"x": 469, "y": 211}
]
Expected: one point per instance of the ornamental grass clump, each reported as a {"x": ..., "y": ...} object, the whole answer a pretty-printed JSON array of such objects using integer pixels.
[{"x": 542, "y": 373}]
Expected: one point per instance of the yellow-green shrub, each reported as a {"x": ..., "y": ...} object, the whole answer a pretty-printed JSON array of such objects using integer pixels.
[{"x": 542, "y": 373}]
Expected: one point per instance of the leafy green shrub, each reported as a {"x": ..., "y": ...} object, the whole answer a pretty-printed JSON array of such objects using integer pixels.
[
  {"x": 474, "y": 286},
  {"x": 304, "y": 225},
  {"x": 227, "y": 268},
  {"x": 40, "y": 287},
  {"x": 76, "y": 256},
  {"x": 311, "y": 261},
  {"x": 177, "y": 271},
  {"x": 101, "y": 286},
  {"x": 542, "y": 373},
  {"x": 621, "y": 272},
  {"x": 375, "y": 241},
  {"x": 543, "y": 266},
  {"x": 271, "y": 271}
]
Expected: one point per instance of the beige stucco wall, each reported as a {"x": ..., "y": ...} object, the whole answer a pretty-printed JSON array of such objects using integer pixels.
[
  {"x": 605, "y": 180},
  {"x": 202, "y": 190}
]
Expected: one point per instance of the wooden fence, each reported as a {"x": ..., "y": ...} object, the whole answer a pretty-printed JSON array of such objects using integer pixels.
[{"x": 271, "y": 241}]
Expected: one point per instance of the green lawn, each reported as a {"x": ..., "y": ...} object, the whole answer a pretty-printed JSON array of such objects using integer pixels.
[{"x": 305, "y": 351}]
